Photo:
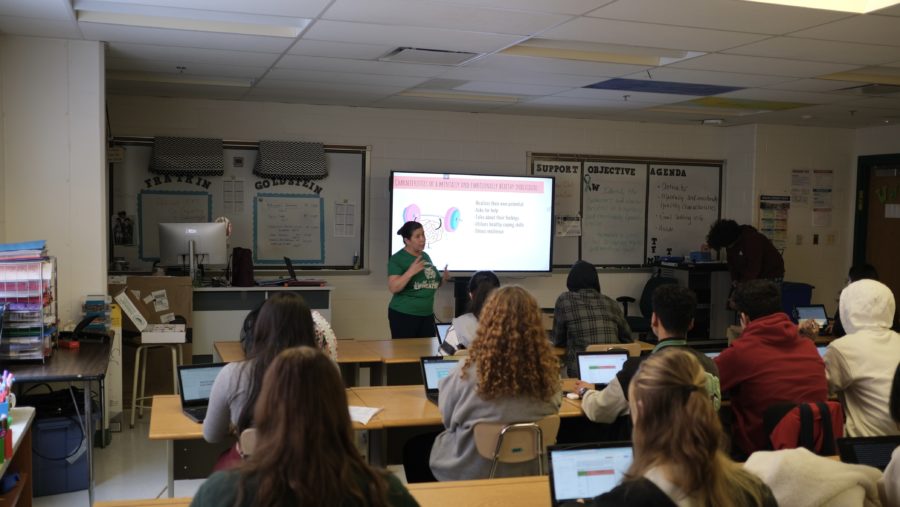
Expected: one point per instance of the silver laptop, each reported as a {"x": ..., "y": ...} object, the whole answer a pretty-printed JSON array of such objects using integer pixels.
[
  {"x": 433, "y": 370},
  {"x": 599, "y": 368},
  {"x": 442, "y": 330},
  {"x": 580, "y": 472},
  {"x": 195, "y": 382}
]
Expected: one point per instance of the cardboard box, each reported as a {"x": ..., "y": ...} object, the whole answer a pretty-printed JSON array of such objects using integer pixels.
[
  {"x": 156, "y": 299},
  {"x": 163, "y": 333}
]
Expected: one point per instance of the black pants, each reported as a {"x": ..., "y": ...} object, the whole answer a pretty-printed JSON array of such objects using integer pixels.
[
  {"x": 416, "y": 453},
  {"x": 404, "y": 325}
]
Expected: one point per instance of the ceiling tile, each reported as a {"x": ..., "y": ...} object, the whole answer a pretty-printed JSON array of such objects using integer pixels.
[
  {"x": 192, "y": 69},
  {"x": 820, "y": 51},
  {"x": 35, "y": 27},
  {"x": 289, "y": 8},
  {"x": 360, "y": 66},
  {"x": 441, "y": 15},
  {"x": 352, "y": 78},
  {"x": 813, "y": 85},
  {"x": 499, "y": 75},
  {"x": 620, "y": 96},
  {"x": 536, "y": 64},
  {"x": 59, "y": 10},
  {"x": 867, "y": 29},
  {"x": 124, "y": 50},
  {"x": 587, "y": 104},
  {"x": 708, "y": 77},
  {"x": 509, "y": 88},
  {"x": 719, "y": 15},
  {"x": 409, "y": 36},
  {"x": 765, "y": 94},
  {"x": 571, "y": 7},
  {"x": 333, "y": 49},
  {"x": 471, "y": 106},
  {"x": 164, "y": 37},
  {"x": 649, "y": 35},
  {"x": 760, "y": 65}
]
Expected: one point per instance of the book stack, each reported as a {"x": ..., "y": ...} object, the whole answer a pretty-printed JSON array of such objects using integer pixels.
[{"x": 25, "y": 251}]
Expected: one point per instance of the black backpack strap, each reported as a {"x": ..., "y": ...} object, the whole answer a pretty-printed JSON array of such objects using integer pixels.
[
  {"x": 827, "y": 430},
  {"x": 806, "y": 438}
]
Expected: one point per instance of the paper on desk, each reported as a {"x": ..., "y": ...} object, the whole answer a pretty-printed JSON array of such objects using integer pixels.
[{"x": 363, "y": 415}]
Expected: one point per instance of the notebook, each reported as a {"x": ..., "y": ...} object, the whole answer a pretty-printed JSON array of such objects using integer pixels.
[
  {"x": 814, "y": 312},
  {"x": 599, "y": 368},
  {"x": 195, "y": 382},
  {"x": 433, "y": 370},
  {"x": 583, "y": 471},
  {"x": 872, "y": 451},
  {"x": 442, "y": 331}
]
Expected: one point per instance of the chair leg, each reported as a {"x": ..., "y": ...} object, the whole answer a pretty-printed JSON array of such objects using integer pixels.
[
  {"x": 143, "y": 382},
  {"x": 174, "y": 349},
  {"x": 134, "y": 384},
  {"x": 493, "y": 468}
]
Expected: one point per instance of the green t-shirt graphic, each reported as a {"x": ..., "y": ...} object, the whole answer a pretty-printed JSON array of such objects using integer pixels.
[{"x": 417, "y": 298}]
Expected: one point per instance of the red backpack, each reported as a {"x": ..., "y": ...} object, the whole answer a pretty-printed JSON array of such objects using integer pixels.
[{"x": 792, "y": 425}]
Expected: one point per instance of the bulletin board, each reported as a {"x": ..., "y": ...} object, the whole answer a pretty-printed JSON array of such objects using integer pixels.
[
  {"x": 318, "y": 224},
  {"x": 629, "y": 210}
]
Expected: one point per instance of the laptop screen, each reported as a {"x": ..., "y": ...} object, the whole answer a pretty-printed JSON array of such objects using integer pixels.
[
  {"x": 600, "y": 367},
  {"x": 712, "y": 355},
  {"x": 822, "y": 349},
  {"x": 583, "y": 471},
  {"x": 442, "y": 331},
  {"x": 434, "y": 369},
  {"x": 290, "y": 267},
  {"x": 814, "y": 312},
  {"x": 872, "y": 451},
  {"x": 197, "y": 381}
]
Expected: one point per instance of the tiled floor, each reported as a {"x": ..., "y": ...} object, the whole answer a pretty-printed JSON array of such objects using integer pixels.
[{"x": 132, "y": 467}]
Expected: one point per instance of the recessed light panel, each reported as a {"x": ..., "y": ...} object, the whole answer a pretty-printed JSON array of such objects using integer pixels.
[{"x": 670, "y": 87}]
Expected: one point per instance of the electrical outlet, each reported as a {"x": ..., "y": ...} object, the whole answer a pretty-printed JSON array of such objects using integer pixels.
[{"x": 815, "y": 239}]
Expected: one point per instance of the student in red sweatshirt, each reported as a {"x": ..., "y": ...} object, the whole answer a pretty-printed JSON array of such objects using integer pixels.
[{"x": 769, "y": 363}]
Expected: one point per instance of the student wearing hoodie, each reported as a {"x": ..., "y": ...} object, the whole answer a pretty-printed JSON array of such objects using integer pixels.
[
  {"x": 769, "y": 363},
  {"x": 860, "y": 366}
]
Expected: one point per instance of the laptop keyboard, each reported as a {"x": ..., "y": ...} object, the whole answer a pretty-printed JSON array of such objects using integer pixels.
[{"x": 197, "y": 413}]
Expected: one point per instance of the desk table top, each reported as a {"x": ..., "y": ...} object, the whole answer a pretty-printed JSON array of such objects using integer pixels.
[
  {"x": 88, "y": 362},
  {"x": 513, "y": 492},
  {"x": 406, "y": 350},
  {"x": 168, "y": 422},
  {"x": 154, "y": 502},
  {"x": 230, "y": 352}
]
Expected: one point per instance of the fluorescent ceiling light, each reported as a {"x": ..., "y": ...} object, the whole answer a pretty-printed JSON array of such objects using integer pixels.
[
  {"x": 594, "y": 52},
  {"x": 857, "y": 6},
  {"x": 180, "y": 79},
  {"x": 186, "y": 19},
  {"x": 877, "y": 75},
  {"x": 464, "y": 97}
]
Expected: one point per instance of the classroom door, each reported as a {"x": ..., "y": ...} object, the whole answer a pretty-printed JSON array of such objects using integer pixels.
[{"x": 883, "y": 223}]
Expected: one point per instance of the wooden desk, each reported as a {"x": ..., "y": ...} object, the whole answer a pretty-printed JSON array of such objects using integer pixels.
[
  {"x": 229, "y": 352},
  {"x": 513, "y": 492},
  {"x": 156, "y": 502},
  {"x": 86, "y": 364},
  {"x": 21, "y": 493}
]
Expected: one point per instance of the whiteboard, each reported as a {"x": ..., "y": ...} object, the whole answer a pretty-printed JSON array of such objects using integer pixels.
[
  {"x": 614, "y": 201},
  {"x": 684, "y": 201},
  {"x": 160, "y": 206},
  {"x": 290, "y": 226},
  {"x": 567, "y": 202}
]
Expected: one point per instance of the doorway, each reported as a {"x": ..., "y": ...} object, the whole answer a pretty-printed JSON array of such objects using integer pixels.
[{"x": 877, "y": 232}]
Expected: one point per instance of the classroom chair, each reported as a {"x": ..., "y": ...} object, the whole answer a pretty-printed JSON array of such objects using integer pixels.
[
  {"x": 634, "y": 348},
  {"x": 516, "y": 442},
  {"x": 247, "y": 442}
]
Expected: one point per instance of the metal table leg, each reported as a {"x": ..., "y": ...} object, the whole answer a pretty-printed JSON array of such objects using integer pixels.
[
  {"x": 89, "y": 435},
  {"x": 170, "y": 457}
]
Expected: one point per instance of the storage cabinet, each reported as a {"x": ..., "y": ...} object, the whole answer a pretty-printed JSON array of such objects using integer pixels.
[{"x": 29, "y": 307}]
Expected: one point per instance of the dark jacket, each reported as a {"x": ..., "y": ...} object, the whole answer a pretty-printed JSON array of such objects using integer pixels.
[{"x": 753, "y": 256}]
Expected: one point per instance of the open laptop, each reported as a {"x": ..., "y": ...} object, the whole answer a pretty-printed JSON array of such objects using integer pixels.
[
  {"x": 195, "y": 382},
  {"x": 872, "y": 451},
  {"x": 814, "y": 312},
  {"x": 583, "y": 471},
  {"x": 599, "y": 368},
  {"x": 442, "y": 330},
  {"x": 291, "y": 280},
  {"x": 433, "y": 370}
]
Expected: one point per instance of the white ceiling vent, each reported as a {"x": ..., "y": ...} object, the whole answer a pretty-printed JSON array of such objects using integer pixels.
[{"x": 428, "y": 56}]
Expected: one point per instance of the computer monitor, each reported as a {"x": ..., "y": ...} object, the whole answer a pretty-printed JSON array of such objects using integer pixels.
[{"x": 209, "y": 244}]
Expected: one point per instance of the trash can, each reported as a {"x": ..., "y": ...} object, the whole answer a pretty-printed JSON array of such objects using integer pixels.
[{"x": 59, "y": 452}]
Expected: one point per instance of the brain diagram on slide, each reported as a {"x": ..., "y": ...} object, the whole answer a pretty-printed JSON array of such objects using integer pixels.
[{"x": 434, "y": 225}]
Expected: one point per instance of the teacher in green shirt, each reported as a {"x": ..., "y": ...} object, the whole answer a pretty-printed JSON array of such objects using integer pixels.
[{"x": 413, "y": 280}]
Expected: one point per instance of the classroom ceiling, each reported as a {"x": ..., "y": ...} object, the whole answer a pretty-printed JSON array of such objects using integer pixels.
[{"x": 725, "y": 62}]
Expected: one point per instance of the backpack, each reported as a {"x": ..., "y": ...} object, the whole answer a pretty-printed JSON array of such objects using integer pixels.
[
  {"x": 814, "y": 426},
  {"x": 242, "y": 268}
]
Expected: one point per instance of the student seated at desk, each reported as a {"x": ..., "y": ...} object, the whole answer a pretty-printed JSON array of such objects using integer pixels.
[
  {"x": 510, "y": 375},
  {"x": 325, "y": 337},
  {"x": 283, "y": 321},
  {"x": 677, "y": 443},
  {"x": 462, "y": 331},
  {"x": 305, "y": 452}
]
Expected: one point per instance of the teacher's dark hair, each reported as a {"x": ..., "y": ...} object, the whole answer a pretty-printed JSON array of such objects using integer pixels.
[
  {"x": 409, "y": 228},
  {"x": 583, "y": 275},
  {"x": 723, "y": 233},
  {"x": 481, "y": 285},
  {"x": 284, "y": 321},
  {"x": 306, "y": 451}
]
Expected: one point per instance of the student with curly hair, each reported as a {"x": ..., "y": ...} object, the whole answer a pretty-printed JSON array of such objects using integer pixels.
[
  {"x": 305, "y": 452},
  {"x": 510, "y": 375},
  {"x": 678, "y": 458}
]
